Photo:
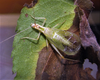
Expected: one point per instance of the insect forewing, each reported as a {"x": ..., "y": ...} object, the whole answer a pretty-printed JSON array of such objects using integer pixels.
[{"x": 65, "y": 41}]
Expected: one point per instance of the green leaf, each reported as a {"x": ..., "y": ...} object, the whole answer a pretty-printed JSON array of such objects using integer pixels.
[{"x": 25, "y": 52}]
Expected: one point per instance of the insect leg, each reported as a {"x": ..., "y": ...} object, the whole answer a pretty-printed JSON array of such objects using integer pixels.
[
  {"x": 58, "y": 24},
  {"x": 55, "y": 25},
  {"x": 57, "y": 51},
  {"x": 62, "y": 55},
  {"x": 39, "y": 32},
  {"x": 47, "y": 43},
  {"x": 32, "y": 38},
  {"x": 40, "y": 18}
]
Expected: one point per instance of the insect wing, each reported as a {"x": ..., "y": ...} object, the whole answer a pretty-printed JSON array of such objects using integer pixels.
[{"x": 65, "y": 41}]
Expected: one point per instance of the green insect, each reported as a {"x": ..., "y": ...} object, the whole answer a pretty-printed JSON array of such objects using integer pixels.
[{"x": 60, "y": 40}]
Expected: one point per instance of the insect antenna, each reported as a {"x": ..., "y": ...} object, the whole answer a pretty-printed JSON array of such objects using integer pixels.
[
  {"x": 33, "y": 3},
  {"x": 14, "y": 35},
  {"x": 33, "y": 12}
]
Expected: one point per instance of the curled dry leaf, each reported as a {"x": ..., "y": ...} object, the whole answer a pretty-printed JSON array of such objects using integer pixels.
[
  {"x": 89, "y": 42},
  {"x": 86, "y": 5},
  {"x": 88, "y": 39}
]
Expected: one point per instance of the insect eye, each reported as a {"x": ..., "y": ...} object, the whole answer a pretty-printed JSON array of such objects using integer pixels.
[
  {"x": 32, "y": 25},
  {"x": 38, "y": 26}
]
